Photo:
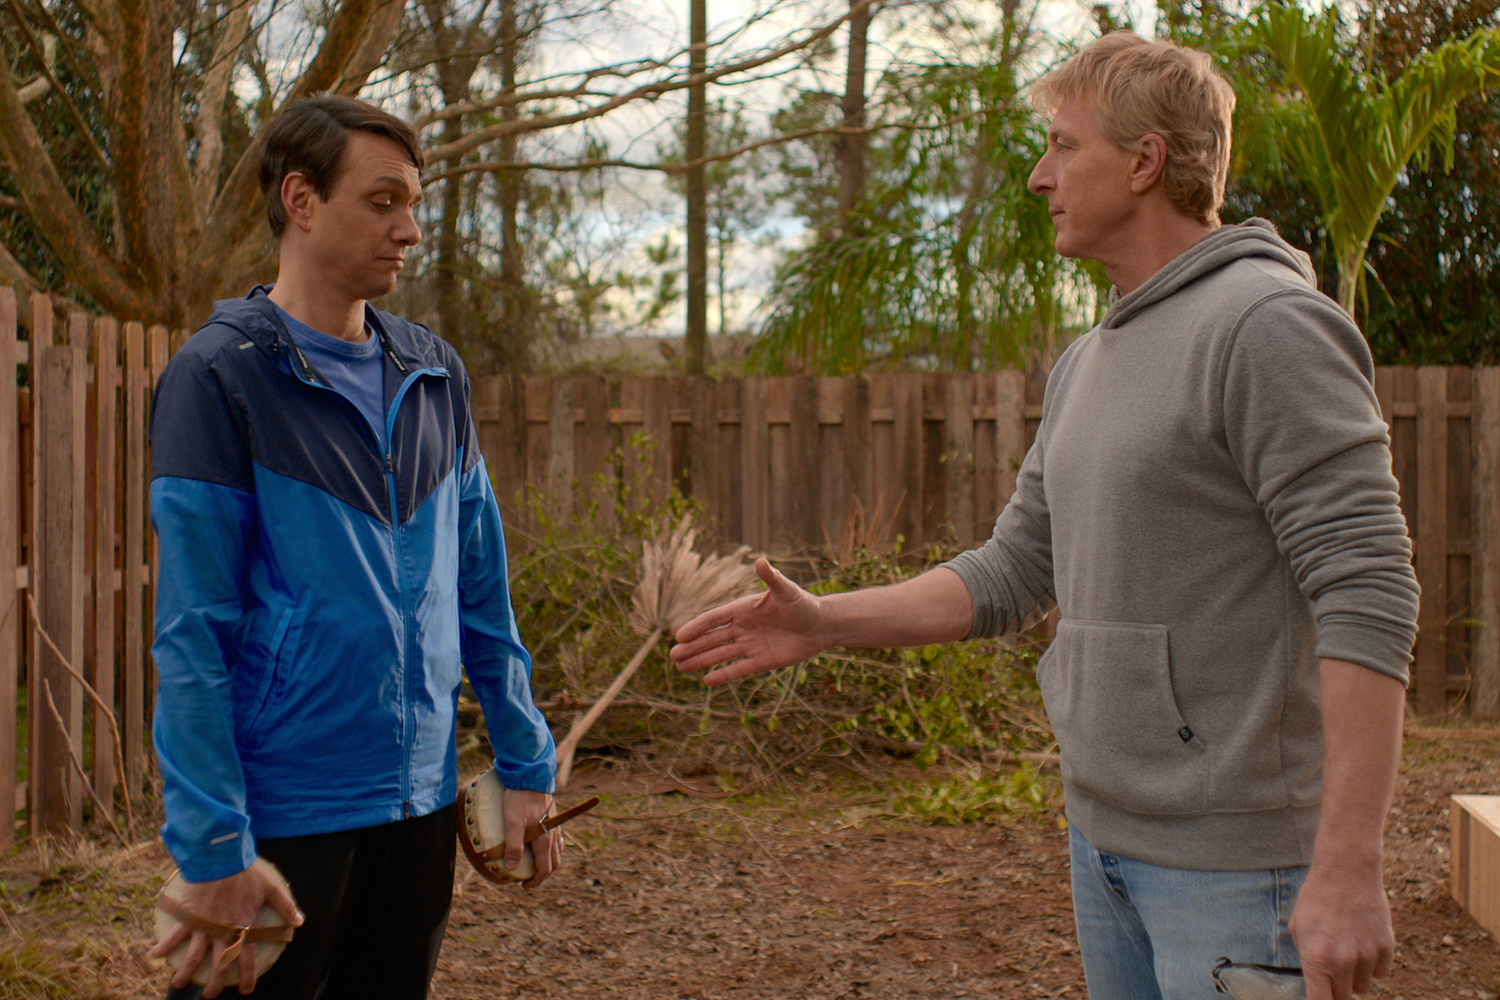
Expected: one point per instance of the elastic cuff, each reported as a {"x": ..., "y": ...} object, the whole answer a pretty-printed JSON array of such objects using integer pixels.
[
  {"x": 1370, "y": 646},
  {"x": 530, "y": 778}
]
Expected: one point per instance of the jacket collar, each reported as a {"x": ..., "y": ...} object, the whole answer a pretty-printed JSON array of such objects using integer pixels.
[{"x": 256, "y": 316}]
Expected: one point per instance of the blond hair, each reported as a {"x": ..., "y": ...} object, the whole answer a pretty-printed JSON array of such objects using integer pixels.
[{"x": 1138, "y": 86}]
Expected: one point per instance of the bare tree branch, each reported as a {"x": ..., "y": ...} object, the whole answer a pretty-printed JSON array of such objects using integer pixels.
[
  {"x": 53, "y": 211},
  {"x": 39, "y": 53},
  {"x": 678, "y": 167},
  {"x": 653, "y": 89},
  {"x": 234, "y": 31}
]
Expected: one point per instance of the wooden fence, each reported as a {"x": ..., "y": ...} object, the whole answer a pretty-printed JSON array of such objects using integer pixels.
[
  {"x": 799, "y": 467},
  {"x": 802, "y": 466}
]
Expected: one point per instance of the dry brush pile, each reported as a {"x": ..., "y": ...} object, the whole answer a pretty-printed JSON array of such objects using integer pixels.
[{"x": 589, "y": 588}]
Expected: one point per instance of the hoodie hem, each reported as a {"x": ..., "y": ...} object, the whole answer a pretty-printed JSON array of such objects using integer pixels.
[{"x": 1248, "y": 841}]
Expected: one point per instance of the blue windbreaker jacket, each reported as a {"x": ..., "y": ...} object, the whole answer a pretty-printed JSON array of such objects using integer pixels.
[{"x": 317, "y": 595}]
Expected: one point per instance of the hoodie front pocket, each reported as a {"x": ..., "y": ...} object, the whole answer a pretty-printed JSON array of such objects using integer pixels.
[{"x": 1122, "y": 739}]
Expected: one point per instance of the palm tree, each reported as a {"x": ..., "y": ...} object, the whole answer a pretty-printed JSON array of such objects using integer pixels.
[{"x": 1348, "y": 134}]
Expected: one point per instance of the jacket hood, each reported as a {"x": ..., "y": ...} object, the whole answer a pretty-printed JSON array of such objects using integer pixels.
[
  {"x": 1253, "y": 238},
  {"x": 256, "y": 317}
]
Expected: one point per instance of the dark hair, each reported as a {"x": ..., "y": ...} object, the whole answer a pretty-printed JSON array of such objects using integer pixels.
[{"x": 309, "y": 137}]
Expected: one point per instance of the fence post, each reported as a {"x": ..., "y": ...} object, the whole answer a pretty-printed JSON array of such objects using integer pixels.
[
  {"x": 132, "y": 729},
  {"x": 1432, "y": 539},
  {"x": 106, "y": 499},
  {"x": 10, "y": 557},
  {"x": 1484, "y": 666},
  {"x": 61, "y": 407}
]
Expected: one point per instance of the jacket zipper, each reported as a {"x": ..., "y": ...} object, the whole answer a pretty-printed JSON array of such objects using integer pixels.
[{"x": 408, "y": 721}]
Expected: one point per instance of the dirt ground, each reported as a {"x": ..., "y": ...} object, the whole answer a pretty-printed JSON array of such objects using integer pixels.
[{"x": 812, "y": 892}]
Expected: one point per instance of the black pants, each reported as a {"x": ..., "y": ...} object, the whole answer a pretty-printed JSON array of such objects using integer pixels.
[{"x": 376, "y": 905}]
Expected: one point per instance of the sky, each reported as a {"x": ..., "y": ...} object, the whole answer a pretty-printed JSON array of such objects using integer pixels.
[{"x": 639, "y": 208}]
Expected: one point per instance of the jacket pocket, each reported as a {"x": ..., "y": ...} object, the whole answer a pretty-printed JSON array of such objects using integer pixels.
[
  {"x": 1123, "y": 740},
  {"x": 270, "y": 679}
]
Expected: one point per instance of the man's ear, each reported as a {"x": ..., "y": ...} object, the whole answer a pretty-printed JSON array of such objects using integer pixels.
[
  {"x": 297, "y": 197},
  {"x": 1147, "y": 164}
]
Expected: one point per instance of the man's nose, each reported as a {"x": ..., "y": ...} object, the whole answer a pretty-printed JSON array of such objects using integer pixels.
[
  {"x": 408, "y": 233},
  {"x": 1041, "y": 176}
]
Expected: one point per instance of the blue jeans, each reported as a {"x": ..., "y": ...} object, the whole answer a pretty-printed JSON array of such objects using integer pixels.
[{"x": 1152, "y": 933}]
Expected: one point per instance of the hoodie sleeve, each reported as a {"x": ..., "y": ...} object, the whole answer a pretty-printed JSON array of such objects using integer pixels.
[
  {"x": 1009, "y": 577},
  {"x": 1305, "y": 431},
  {"x": 203, "y": 510},
  {"x": 498, "y": 665}
]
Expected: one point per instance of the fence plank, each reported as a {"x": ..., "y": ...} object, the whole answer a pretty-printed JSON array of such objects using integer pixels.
[
  {"x": 656, "y": 412},
  {"x": 40, "y": 334},
  {"x": 592, "y": 442},
  {"x": 62, "y": 404},
  {"x": 10, "y": 558},
  {"x": 106, "y": 383},
  {"x": 803, "y": 466},
  {"x": 731, "y": 506},
  {"x": 958, "y": 452},
  {"x": 1484, "y": 687},
  {"x": 133, "y": 700},
  {"x": 1432, "y": 539},
  {"x": 857, "y": 454},
  {"x": 907, "y": 465},
  {"x": 703, "y": 448},
  {"x": 755, "y": 463},
  {"x": 505, "y": 444},
  {"x": 561, "y": 430},
  {"x": 1010, "y": 433}
]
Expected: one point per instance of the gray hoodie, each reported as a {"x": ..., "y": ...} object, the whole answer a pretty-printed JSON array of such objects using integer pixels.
[{"x": 1210, "y": 503}]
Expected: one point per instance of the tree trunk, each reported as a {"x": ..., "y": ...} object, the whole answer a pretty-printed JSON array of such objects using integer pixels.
[
  {"x": 1351, "y": 263},
  {"x": 697, "y": 196},
  {"x": 514, "y": 354},
  {"x": 853, "y": 144}
]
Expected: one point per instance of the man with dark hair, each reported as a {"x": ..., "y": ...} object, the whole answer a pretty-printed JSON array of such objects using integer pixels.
[{"x": 331, "y": 552}]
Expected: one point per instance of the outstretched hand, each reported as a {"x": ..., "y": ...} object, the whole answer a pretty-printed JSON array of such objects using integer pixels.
[{"x": 755, "y": 634}]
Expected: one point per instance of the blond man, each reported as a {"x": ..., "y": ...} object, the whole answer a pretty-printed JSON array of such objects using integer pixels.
[{"x": 1209, "y": 503}]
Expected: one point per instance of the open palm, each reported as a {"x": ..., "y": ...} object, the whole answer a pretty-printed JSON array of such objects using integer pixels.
[{"x": 753, "y": 635}]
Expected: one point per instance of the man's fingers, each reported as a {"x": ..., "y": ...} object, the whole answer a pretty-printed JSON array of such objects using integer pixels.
[
  {"x": 178, "y": 934},
  {"x": 544, "y": 854},
  {"x": 247, "y": 968},
  {"x": 746, "y": 667},
  {"x": 706, "y": 622},
  {"x": 710, "y": 651},
  {"x": 279, "y": 897},
  {"x": 216, "y": 971},
  {"x": 191, "y": 959},
  {"x": 776, "y": 581},
  {"x": 1318, "y": 985}
]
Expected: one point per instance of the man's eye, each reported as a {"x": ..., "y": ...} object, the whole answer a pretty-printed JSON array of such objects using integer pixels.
[{"x": 382, "y": 204}]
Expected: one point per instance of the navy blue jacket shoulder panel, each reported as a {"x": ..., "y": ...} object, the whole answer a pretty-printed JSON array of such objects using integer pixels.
[{"x": 287, "y": 418}]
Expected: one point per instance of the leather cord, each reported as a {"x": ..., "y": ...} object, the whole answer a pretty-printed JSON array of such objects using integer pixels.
[{"x": 238, "y": 936}]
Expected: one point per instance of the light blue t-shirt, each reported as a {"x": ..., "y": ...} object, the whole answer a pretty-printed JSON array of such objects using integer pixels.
[{"x": 355, "y": 370}]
